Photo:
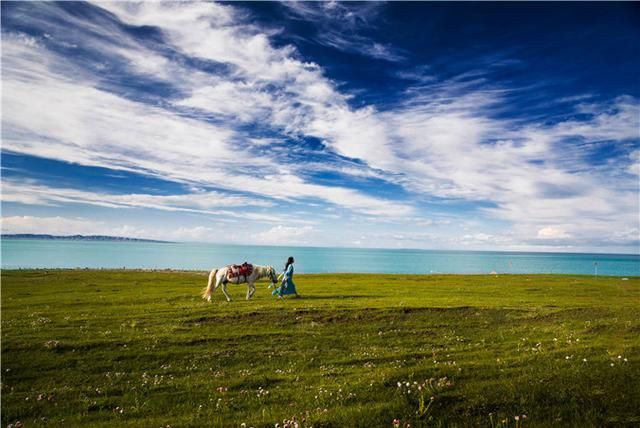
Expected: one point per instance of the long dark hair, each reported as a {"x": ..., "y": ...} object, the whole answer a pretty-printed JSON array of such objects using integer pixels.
[{"x": 289, "y": 261}]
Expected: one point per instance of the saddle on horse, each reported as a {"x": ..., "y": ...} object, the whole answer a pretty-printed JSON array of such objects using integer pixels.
[{"x": 239, "y": 273}]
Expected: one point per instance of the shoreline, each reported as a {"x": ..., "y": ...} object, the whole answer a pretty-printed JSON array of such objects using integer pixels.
[
  {"x": 206, "y": 272},
  {"x": 125, "y": 240}
]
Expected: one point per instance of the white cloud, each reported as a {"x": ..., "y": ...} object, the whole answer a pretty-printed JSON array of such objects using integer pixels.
[
  {"x": 284, "y": 235},
  {"x": 633, "y": 167},
  {"x": 340, "y": 25},
  {"x": 239, "y": 100},
  {"x": 76, "y": 122},
  {"x": 198, "y": 201},
  {"x": 451, "y": 147},
  {"x": 51, "y": 225},
  {"x": 66, "y": 116},
  {"x": 196, "y": 234},
  {"x": 65, "y": 226},
  {"x": 550, "y": 232},
  {"x": 214, "y": 32},
  {"x": 443, "y": 140}
]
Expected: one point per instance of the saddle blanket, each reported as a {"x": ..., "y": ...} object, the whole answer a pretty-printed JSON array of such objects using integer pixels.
[{"x": 245, "y": 269}]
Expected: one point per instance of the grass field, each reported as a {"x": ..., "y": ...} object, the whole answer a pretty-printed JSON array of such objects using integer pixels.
[{"x": 126, "y": 348}]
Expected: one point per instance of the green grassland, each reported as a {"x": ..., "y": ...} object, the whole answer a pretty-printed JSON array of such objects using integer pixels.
[{"x": 128, "y": 348}]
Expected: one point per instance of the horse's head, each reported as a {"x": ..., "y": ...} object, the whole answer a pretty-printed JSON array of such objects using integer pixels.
[{"x": 272, "y": 275}]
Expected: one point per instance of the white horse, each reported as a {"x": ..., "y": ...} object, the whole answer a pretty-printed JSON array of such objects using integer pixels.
[{"x": 219, "y": 277}]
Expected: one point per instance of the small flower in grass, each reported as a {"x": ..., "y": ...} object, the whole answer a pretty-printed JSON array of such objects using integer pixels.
[
  {"x": 625, "y": 360},
  {"x": 584, "y": 359},
  {"x": 619, "y": 356},
  {"x": 396, "y": 423},
  {"x": 243, "y": 425},
  {"x": 517, "y": 418},
  {"x": 611, "y": 364}
]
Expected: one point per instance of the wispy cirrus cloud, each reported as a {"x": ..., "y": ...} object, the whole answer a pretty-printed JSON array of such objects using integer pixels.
[
  {"x": 535, "y": 176},
  {"x": 93, "y": 126},
  {"x": 200, "y": 94},
  {"x": 343, "y": 26},
  {"x": 196, "y": 201}
]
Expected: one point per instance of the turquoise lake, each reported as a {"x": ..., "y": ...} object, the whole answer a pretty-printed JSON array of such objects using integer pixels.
[{"x": 196, "y": 256}]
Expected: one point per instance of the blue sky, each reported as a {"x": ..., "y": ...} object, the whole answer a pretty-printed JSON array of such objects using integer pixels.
[{"x": 484, "y": 126}]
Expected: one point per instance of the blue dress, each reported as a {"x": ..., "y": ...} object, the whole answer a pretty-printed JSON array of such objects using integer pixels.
[{"x": 287, "y": 286}]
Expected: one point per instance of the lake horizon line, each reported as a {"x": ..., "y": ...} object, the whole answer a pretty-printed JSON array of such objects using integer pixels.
[{"x": 135, "y": 240}]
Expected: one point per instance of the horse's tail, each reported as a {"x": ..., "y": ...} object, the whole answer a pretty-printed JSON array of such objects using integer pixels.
[{"x": 206, "y": 293}]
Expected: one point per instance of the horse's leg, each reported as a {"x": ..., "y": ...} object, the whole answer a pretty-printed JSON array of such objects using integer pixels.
[
  {"x": 224, "y": 290},
  {"x": 251, "y": 288}
]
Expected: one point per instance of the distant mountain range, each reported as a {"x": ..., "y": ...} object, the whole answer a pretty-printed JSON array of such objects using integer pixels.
[{"x": 76, "y": 237}]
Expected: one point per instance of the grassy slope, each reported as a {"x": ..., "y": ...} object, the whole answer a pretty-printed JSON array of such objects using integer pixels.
[{"x": 82, "y": 346}]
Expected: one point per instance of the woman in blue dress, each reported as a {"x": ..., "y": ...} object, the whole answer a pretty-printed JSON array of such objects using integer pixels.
[{"x": 287, "y": 286}]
